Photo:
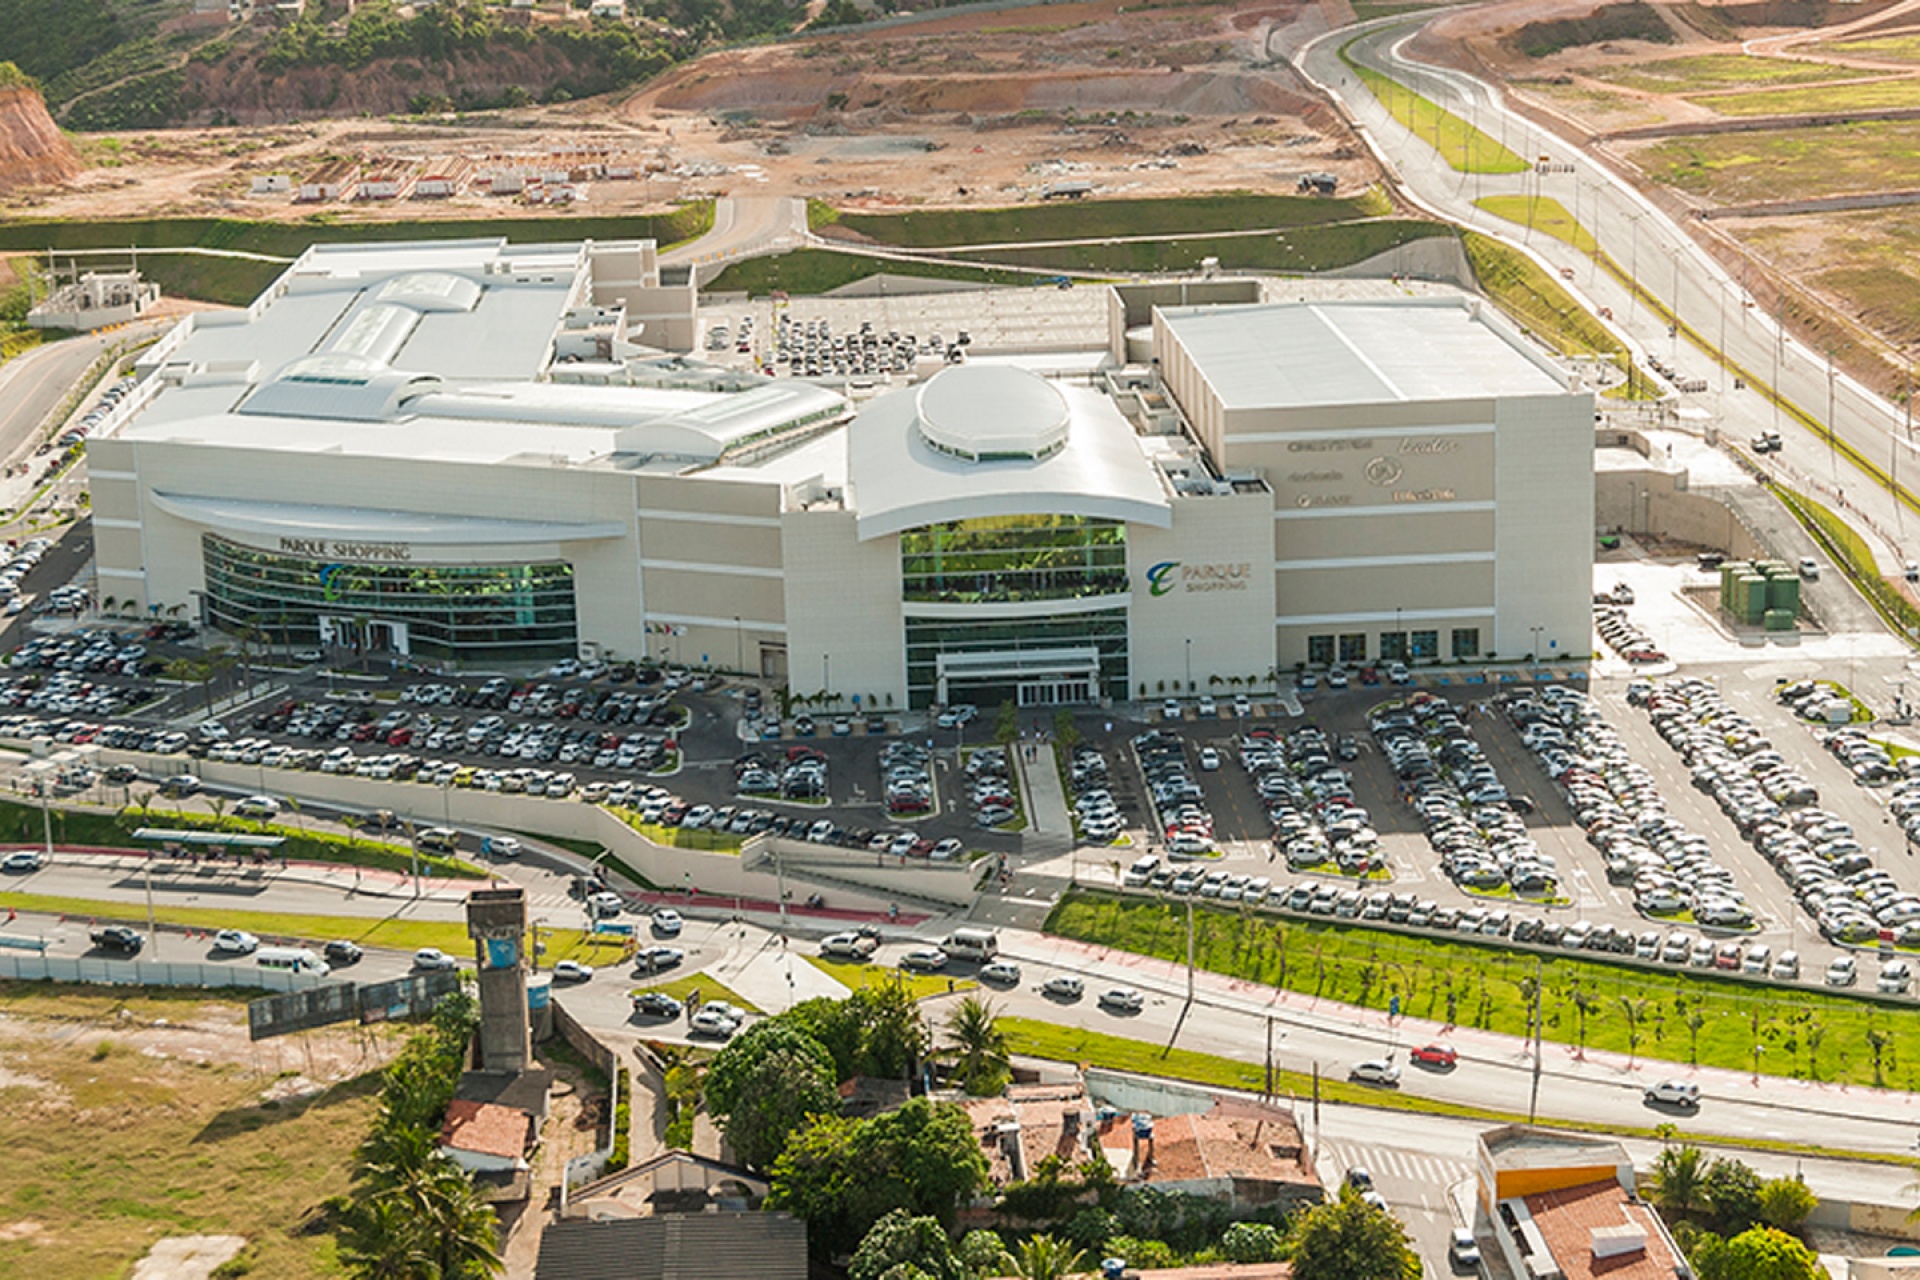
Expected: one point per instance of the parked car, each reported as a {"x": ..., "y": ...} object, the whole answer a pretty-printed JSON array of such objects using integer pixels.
[
  {"x": 708, "y": 1023},
  {"x": 655, "y": 1004},
  {"x": 235, "y": 942}
]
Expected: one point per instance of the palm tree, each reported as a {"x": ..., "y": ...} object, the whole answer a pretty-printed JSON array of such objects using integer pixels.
[
  {"x": 977, "y": 1047},
  {"x": 419, "y": 1217},
  {"x": 1042, "y": 1257},
  {"x": 1677, "y": 1173}
]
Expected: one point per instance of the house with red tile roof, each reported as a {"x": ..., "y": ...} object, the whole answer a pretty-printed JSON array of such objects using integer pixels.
[{"x": 1563, "y": 1206}]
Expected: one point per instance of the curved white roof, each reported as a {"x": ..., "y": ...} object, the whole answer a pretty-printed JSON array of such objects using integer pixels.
[
  {"x": 896, "y": 480},
  {"x": 364, "y": 524},
  {"x": 992, "y": 411}
]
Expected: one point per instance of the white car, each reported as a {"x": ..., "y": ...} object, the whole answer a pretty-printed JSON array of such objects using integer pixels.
[
  {"x": 605, "y": 903},
  {"x": 1675, "y": 1093},
  {"x": 667, "y": 922},
  {"x": 572, "y": 971},
  {"x": 705, "y": 1023},
  {"x": 721, "y": 1009},
  {"x": 924, "y": 959},
  {"x": 1004, "y": 972},
  {"x": 24, "y": 860},
  {"x": 1895, "y": 977},
  {"x": 235, "y": 942},
  {"x": 433, "y": 958},
  {"x": 1123, "y": 999},
  {"x": 1843, "y": 972},
  {"x": 257, "y": 807},
  {"x": 1063, "y": 987},
  {"x": 1375, "y": 1071},
  {"x": 1209, "y": 759}
]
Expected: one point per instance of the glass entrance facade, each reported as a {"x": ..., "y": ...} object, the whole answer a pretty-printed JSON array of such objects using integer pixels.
[
  {"x": 928, "y": 638},
  {"x": 507, "y": 612},
  {"x": 1000, "y": 558}
]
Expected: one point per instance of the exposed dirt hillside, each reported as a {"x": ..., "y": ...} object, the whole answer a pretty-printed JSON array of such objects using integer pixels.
[
  {"x": 236, "y": 90},
  {"x": 33, "y": 153}
]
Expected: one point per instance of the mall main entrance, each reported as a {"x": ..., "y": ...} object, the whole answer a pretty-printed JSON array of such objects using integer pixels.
[{"x": 1025, "y": 677}]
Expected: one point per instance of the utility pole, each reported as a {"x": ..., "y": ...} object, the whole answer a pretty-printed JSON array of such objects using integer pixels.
[
  {"x": 1189, "y": 951},
  {"x": 1533, "y": 1103},
  {"x": 1268, "y": 1092}
]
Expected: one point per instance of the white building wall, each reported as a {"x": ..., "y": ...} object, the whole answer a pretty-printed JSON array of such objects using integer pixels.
[
  {"x": 1543, "y": 526},
  {"x": 1217, "y": 609},
  {"x": 846, "y": 632}
]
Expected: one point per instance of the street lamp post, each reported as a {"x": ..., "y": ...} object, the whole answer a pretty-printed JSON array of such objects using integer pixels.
[
  {"x": 739, "y": 646},
  {"x": 1189, "y": 664},
  {"x": 1633, "y": 264}
]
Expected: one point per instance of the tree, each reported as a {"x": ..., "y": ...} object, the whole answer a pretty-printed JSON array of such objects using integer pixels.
[
  {"x": 1348, "y": 1239},
  {"x": 1732, "y": 1188},
  {"x": 765, "y": 1084},
  {"x": 893, "y": 1037},
  {"x": 1786, "y": 1203},
  {"x": 977, "y": 1047},
  {"x": 1675, "y": 1185},
  {"x": 900, "y": 1238},
  {"x": 1251, "y": 1242},
  {"x": 1759, "y": 1253},
  {"x": 1043, "y": 1257},
  {"x": 421, "y": 1221},
  {"x": 843, "y": 1175}
]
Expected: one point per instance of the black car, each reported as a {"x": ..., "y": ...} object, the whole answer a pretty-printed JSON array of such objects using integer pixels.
[
  {"x": 121, "y": 774},
  {"x": 339, "y": 952},
  {"x": 118, "y": 937},
  {"x": 656, "y": 1004}
]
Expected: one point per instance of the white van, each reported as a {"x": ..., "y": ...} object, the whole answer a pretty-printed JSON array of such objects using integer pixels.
[
  {"x": 1141, "y": 871},
  {"x": 292, "y": 960},
  {"x": 972, "y": 944}
]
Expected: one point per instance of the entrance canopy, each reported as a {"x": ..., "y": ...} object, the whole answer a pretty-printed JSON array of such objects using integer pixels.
[{"x": 1031, "y": 676}]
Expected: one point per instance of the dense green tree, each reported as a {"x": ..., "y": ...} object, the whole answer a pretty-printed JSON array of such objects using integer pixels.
[
  {"x": 1759, "y": 1253},
  {"x": 1675, "y": 1184},
  {"x": 977, "y": 1048},
  {"x": 893, "y": 1036},
  {"x": 980, "y": 1252},
  {"x": 1732, "y": 1190},
  {"x": 765, "y": 1084},
  {"x": 1348, "y": 1239},
  {"x": 835, "y": 1024},
  {"x": 843, "y": 1175},
  {"x": 1251, "y": 1242},
  {"x": 902, "y": 1238},
  {"x": 1786, "y": 1203}
]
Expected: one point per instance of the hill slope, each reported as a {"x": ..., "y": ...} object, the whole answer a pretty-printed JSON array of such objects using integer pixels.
[{"x": 32, "y": 151}]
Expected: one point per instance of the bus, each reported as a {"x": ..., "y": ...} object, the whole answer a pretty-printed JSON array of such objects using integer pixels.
[{"x": 292, "y": 960}]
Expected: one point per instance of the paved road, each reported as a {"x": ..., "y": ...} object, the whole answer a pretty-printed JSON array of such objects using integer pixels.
[
  {"x": 1668, "y": 265},
  {"x": 32, "y": 386},
  {"x": 743, "y": 225}
]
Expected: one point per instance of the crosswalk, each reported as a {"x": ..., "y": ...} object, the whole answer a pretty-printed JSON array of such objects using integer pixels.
[{"x": 1390, "y": 1166}]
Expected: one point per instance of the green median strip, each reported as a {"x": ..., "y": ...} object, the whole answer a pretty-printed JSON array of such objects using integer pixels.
[
  {"x": 709, "y": 987},
  {"x": 857, "y": 975},
  {"x": 1464, "y": 148}
]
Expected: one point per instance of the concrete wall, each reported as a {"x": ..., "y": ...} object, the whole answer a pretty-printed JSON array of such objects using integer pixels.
[
  {"x": 1215, "y": 614},
  {"x": 847, "y": 629},
  {"x": 1543, "y": 526},
  {"x": 148, "y": 973}
]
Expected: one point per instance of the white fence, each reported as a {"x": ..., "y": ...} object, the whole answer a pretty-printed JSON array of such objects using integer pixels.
[{"x": 148, "y": 973}]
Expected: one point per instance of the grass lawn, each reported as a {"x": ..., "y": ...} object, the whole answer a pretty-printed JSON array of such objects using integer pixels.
[
  {"x": 1542, "y": 213},
  {"x": 1785, "y": 164},
  {"x": 1853, "y": 557},
  {"x": 1100, "y": 219},
  {"x": 1464, "y": 148},
  {"x": 1888, "y": 48},
  {"x": 811, "y": 271},
  {"x": 709, "y": 987},
  {"x": 115, "y": 1139},
  {"x": 681, "y": 837},
  {"x": 857, "y": 975},
  {"x": 1680, "y": 1016},
  {"x": 1715, "y": 71},
  {"x": 1869, "y": 95},
  {"x": 1307, "y": 248}
]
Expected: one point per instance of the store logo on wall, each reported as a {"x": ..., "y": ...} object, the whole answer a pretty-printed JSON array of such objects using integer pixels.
[
  {"x": 1162, "y": 578},
  {"x": 330, "y": 584},
  {"x": 1384, "y": 471}
]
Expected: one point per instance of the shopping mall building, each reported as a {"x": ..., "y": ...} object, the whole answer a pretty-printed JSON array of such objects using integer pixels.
[{"x": 464, "y": 453}]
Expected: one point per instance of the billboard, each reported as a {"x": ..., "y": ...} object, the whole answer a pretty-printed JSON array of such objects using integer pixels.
[{"x": 408, "y": 997}]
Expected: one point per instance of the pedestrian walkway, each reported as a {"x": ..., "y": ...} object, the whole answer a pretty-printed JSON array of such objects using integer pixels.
[
  {"x": 774, "y": 978},
  {"x": 1049, "y": 821}
]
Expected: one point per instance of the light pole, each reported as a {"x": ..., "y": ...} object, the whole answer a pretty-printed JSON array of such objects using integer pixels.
[
  {"x": 1189, "y": 664},
  {"x": 1673, "y": 327},
  {"x": 1633, "y": 264},
  {"x": 1536, "y": 643},
  {"x": 739, "y": 646}
]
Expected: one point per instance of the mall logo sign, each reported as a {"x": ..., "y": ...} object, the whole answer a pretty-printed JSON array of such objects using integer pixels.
[{"x": 1170, "y": 575}]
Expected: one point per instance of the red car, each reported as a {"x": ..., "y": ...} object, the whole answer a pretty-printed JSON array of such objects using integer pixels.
[{"x": 1435, "y": 1055}]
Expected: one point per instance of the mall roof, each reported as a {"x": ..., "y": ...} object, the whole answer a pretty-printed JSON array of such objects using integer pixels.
[
  {"x": 897, "y": 480},
  {"x": 1295, "y": 355}
]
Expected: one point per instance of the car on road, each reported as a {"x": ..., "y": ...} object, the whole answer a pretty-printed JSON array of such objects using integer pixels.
[
  {"x": 1123, "y": 999},
  {"x": 605, "y": 903},
  {"x": 1463, "y": 1253},
  {"x": 433, "y": 958},
  {"x": 1209, "y": 759},
  {"x": 1375, "y": 1071},
  {"x": 1004, "y": 972},
  {"x": 667, "y": 922},
  {"x": 655, "y": 1004},
  {"x": 257, "y": 807},
  {"x": 707, "y": 1023},
  {"x": 1436, "y": 1055},
  {"x": 1675, "y": 1093},
  {"x": 24, "y": 860},
  {"x": 339, "y": 952},
  {"x": 1843, "y": 972},
  {"x": 1360, "y": 1178},
  {"x": 235, "y": 942},
  {"x": 848, "y": 946},
  {"x": 1063, "y": 986},
  {"x": 180, "y": 784},
  {"x": 572, "y": 971},
  {"x": 924, "y": 959},
  {"x": 117, "y": 937},
  {"x": 654, "y": 959}
]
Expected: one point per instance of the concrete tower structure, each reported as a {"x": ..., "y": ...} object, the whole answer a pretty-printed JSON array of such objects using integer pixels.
[{"x": 497, "y": 923}]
